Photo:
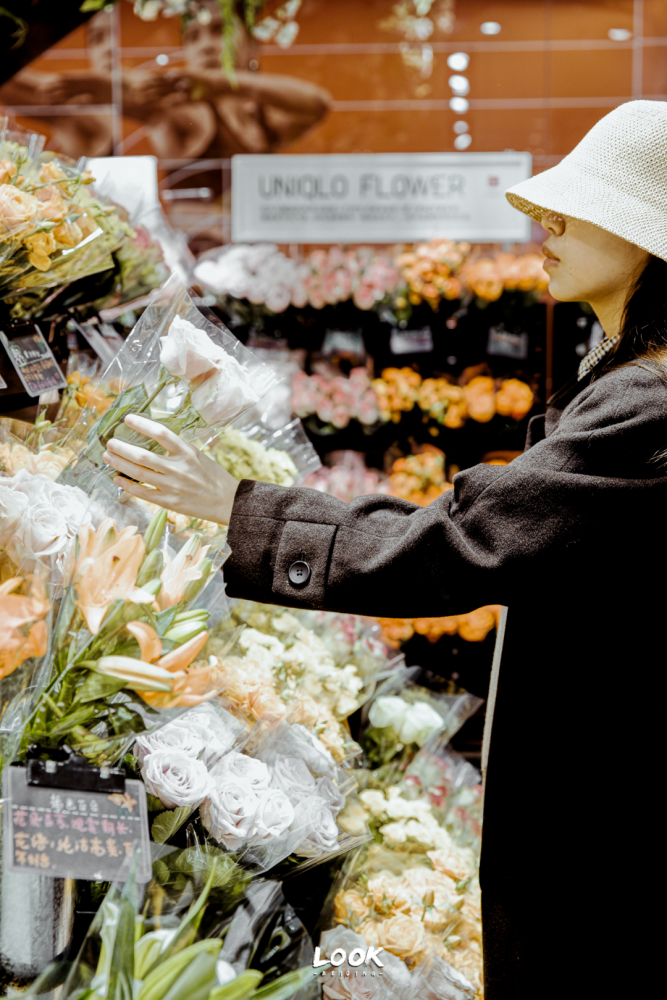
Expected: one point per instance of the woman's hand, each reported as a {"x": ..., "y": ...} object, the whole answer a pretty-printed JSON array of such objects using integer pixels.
[{"x": 183, "y": 480}]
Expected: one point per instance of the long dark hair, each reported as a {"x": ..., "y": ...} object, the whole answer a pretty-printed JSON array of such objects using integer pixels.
[{"x": 643, "y": 337}]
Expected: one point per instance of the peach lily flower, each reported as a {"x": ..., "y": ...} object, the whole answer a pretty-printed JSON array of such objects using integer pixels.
[
  {"x": 178, "y": 572},
  {"x": 16, "y": 612},
  {"x": 106, "y": 569},
  {"x": 193, "y": 684}
]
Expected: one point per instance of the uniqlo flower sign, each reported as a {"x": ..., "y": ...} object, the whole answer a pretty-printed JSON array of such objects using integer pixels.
[
  {"x": 377, "y": 197},
  {"x": 64, "y": 833}
]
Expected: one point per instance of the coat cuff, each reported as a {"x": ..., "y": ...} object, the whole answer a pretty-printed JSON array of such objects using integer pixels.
[{"x": 265, "y": 544}]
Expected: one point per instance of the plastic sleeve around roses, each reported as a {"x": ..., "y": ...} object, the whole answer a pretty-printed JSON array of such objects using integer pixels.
[
  {"x": 454, "y": 709},
  {"x": 141, "y": 385},
  {"x": 291, "y": 439},
  {"x": 273, "y": 741}
]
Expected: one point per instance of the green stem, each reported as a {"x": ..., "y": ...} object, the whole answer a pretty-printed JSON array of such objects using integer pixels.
[
  {"x": 144, "y": 406},
  {"x": 58, "y": 712}
]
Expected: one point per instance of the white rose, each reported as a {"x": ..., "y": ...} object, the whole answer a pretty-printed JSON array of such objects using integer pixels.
[
  {"x": 225, "y": 394},
  {"x": 275, "y": 814},
  {"x": 420, "y": 722},
  {"x": 41, "y": 531},
  {"x": 311, "y": 750},
  {"x": 169, "y": 737},
  {"x": 313, "y": 816},
  {"x": 388, "y": 711},
  {"x": 72, "y": 504},
  {"x": 374, "y": 801},
  {"x": 12, "y": 505},
  {"x": 292, "y": 776},
  {"x": 176, "y": 778},
  {"x": 331, "y": 795},
  {"x": 229, "y": 814},
  {"x": 188, "y": 352},
  {"x": 239, "y": 767},
  {"x": 251, "y": 637},
  {"x": 278, "y": 298},
  {"x": 217, "y": 733}
]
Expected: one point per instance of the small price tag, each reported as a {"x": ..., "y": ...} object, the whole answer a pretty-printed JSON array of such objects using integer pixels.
[
  {"x": 344, "y": 342},
  {"x": 34, "y": 362},
  {"x": 62, "y": 833},
  {"x": 502, "y": 343},
  {"x": 411, "y": 341}
]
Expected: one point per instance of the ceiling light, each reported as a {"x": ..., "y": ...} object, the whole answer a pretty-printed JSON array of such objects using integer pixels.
[
  {"x": 459, "y": 85},
  {"x": 459, "y": 105},
  {"x": 162, "y": 60},
  {"x": 619, "y": 34},
  {"x": 463, "y": 141},
  {"x": 490, "y": 28},
  {"x": 460, "y": 127},
  {"x": 458, "y": 61}
]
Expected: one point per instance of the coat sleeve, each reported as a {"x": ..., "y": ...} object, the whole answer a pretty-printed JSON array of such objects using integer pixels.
[{"x": 486, "y": 541}]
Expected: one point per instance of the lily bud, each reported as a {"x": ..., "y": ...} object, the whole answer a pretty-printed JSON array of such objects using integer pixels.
[
  {"x": 191, "y": 547},
  {"x": 193, "y": 615},
  {"x": 138, "y": 675},
  {"x": 151, "y": 567},
  {"x": 184, "y": 631},
  {"x": 193, "y": 587},
  {"x": 153, "y": 532}
]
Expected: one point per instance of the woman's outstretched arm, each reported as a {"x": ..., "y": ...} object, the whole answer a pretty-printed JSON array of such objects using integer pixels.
[{"x": 486, "y": 542}]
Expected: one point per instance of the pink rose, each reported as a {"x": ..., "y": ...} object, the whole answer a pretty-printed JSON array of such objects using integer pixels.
[{"x": 364, "y": 297}]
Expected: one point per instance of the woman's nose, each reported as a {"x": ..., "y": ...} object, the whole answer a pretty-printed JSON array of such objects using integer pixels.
[{"x": 553, "y": 223}]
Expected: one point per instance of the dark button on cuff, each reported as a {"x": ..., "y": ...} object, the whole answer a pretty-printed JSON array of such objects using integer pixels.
[{"x": 299, "y": 573}]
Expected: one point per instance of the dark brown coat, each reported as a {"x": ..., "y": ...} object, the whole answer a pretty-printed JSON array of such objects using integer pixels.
[{"x": 571, "y": 537}]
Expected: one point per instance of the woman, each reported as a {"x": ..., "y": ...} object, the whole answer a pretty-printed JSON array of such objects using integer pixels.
[{"x": 570, "y": 537}]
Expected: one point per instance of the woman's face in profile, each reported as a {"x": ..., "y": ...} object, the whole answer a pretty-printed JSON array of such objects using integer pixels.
[
  {"x": 586, "y": 263},
  {"x": 202, "y": 44}
]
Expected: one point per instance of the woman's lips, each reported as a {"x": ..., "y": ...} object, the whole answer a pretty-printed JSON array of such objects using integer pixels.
[{"x": 550, "y": 262}]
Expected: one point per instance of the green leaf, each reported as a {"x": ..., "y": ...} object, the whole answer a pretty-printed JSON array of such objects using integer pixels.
[
  {"x": 167, "y": 823},
  {"x": 154, "y": 803},
  {"x": 240, "y": 988},
  {"x": 98, "y": 686},
  {"x": 285, "y": 986},
  {"x": 189, "y": 924},
  {"x": 64, "y": 618},
  {"x": 121, "y": 973},
  {"x": 168, "y": 968},
  {"x": 79, "y": 717},
  {"x": 196, "y": 982}
]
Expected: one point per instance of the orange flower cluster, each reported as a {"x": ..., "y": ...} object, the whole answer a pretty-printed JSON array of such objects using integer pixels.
[
  {"x": 399, "y": 389},
  {"x": 86, "y": 395},
  {"x": 420, "y": 478},
  {"x": 474, "y": 626},
  {"x": 488, "y": 277},
  {"x": 429, "y": 272},
  {"x": 396, "y": 392},
  {"x": 23, "y": 631}
]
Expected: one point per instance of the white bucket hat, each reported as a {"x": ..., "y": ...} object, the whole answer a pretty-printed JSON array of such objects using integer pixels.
[{"x": 615, "y": 178}]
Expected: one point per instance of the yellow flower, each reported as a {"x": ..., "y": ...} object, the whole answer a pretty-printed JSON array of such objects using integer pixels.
[
  {"x": 54, "y": 206},
  {"x": 51, "y": 172},
  {"x": 350, "y": 907},
  {"x": 7, "y": 171},
  {"x": 68, "y": 233},
  {"x": 40, "y": 245},
  {"x": 106, "y": 569}
]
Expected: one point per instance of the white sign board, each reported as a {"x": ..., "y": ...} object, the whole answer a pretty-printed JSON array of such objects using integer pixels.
[
  {"x": 130, "y": 181},
  {"x": 377, "y": 197}
]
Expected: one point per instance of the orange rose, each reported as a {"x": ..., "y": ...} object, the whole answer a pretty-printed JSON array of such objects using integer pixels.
[
  {"x": 18, "y": 209},
  {"x": 39, "y": 246},
  {"x": 350, "y": 907},
  {"x": 403, "y": 936},
  {"x": 68, "y": 233},
  {"x": 54, "y": 206},
  {"x": 51, "y": 172},
  {"x": 480, "y": 398}
]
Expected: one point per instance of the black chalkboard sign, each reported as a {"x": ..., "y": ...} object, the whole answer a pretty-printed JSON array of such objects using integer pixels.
[
  {"x": 62, "y": 833},
  {"x": 34, "y": 363}
]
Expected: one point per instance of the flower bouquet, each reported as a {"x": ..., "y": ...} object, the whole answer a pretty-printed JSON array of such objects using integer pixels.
[
  {"x": 179, "y": 369},
  {"x": 278, "y": 796},
  {"x": 124, "y": 649},
  {"x": 34, "y": 447},
  {"x": 397, "y": 725}
]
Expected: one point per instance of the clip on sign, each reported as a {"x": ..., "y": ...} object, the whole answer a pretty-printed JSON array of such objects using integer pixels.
[{"x": 65, "y": 832}]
